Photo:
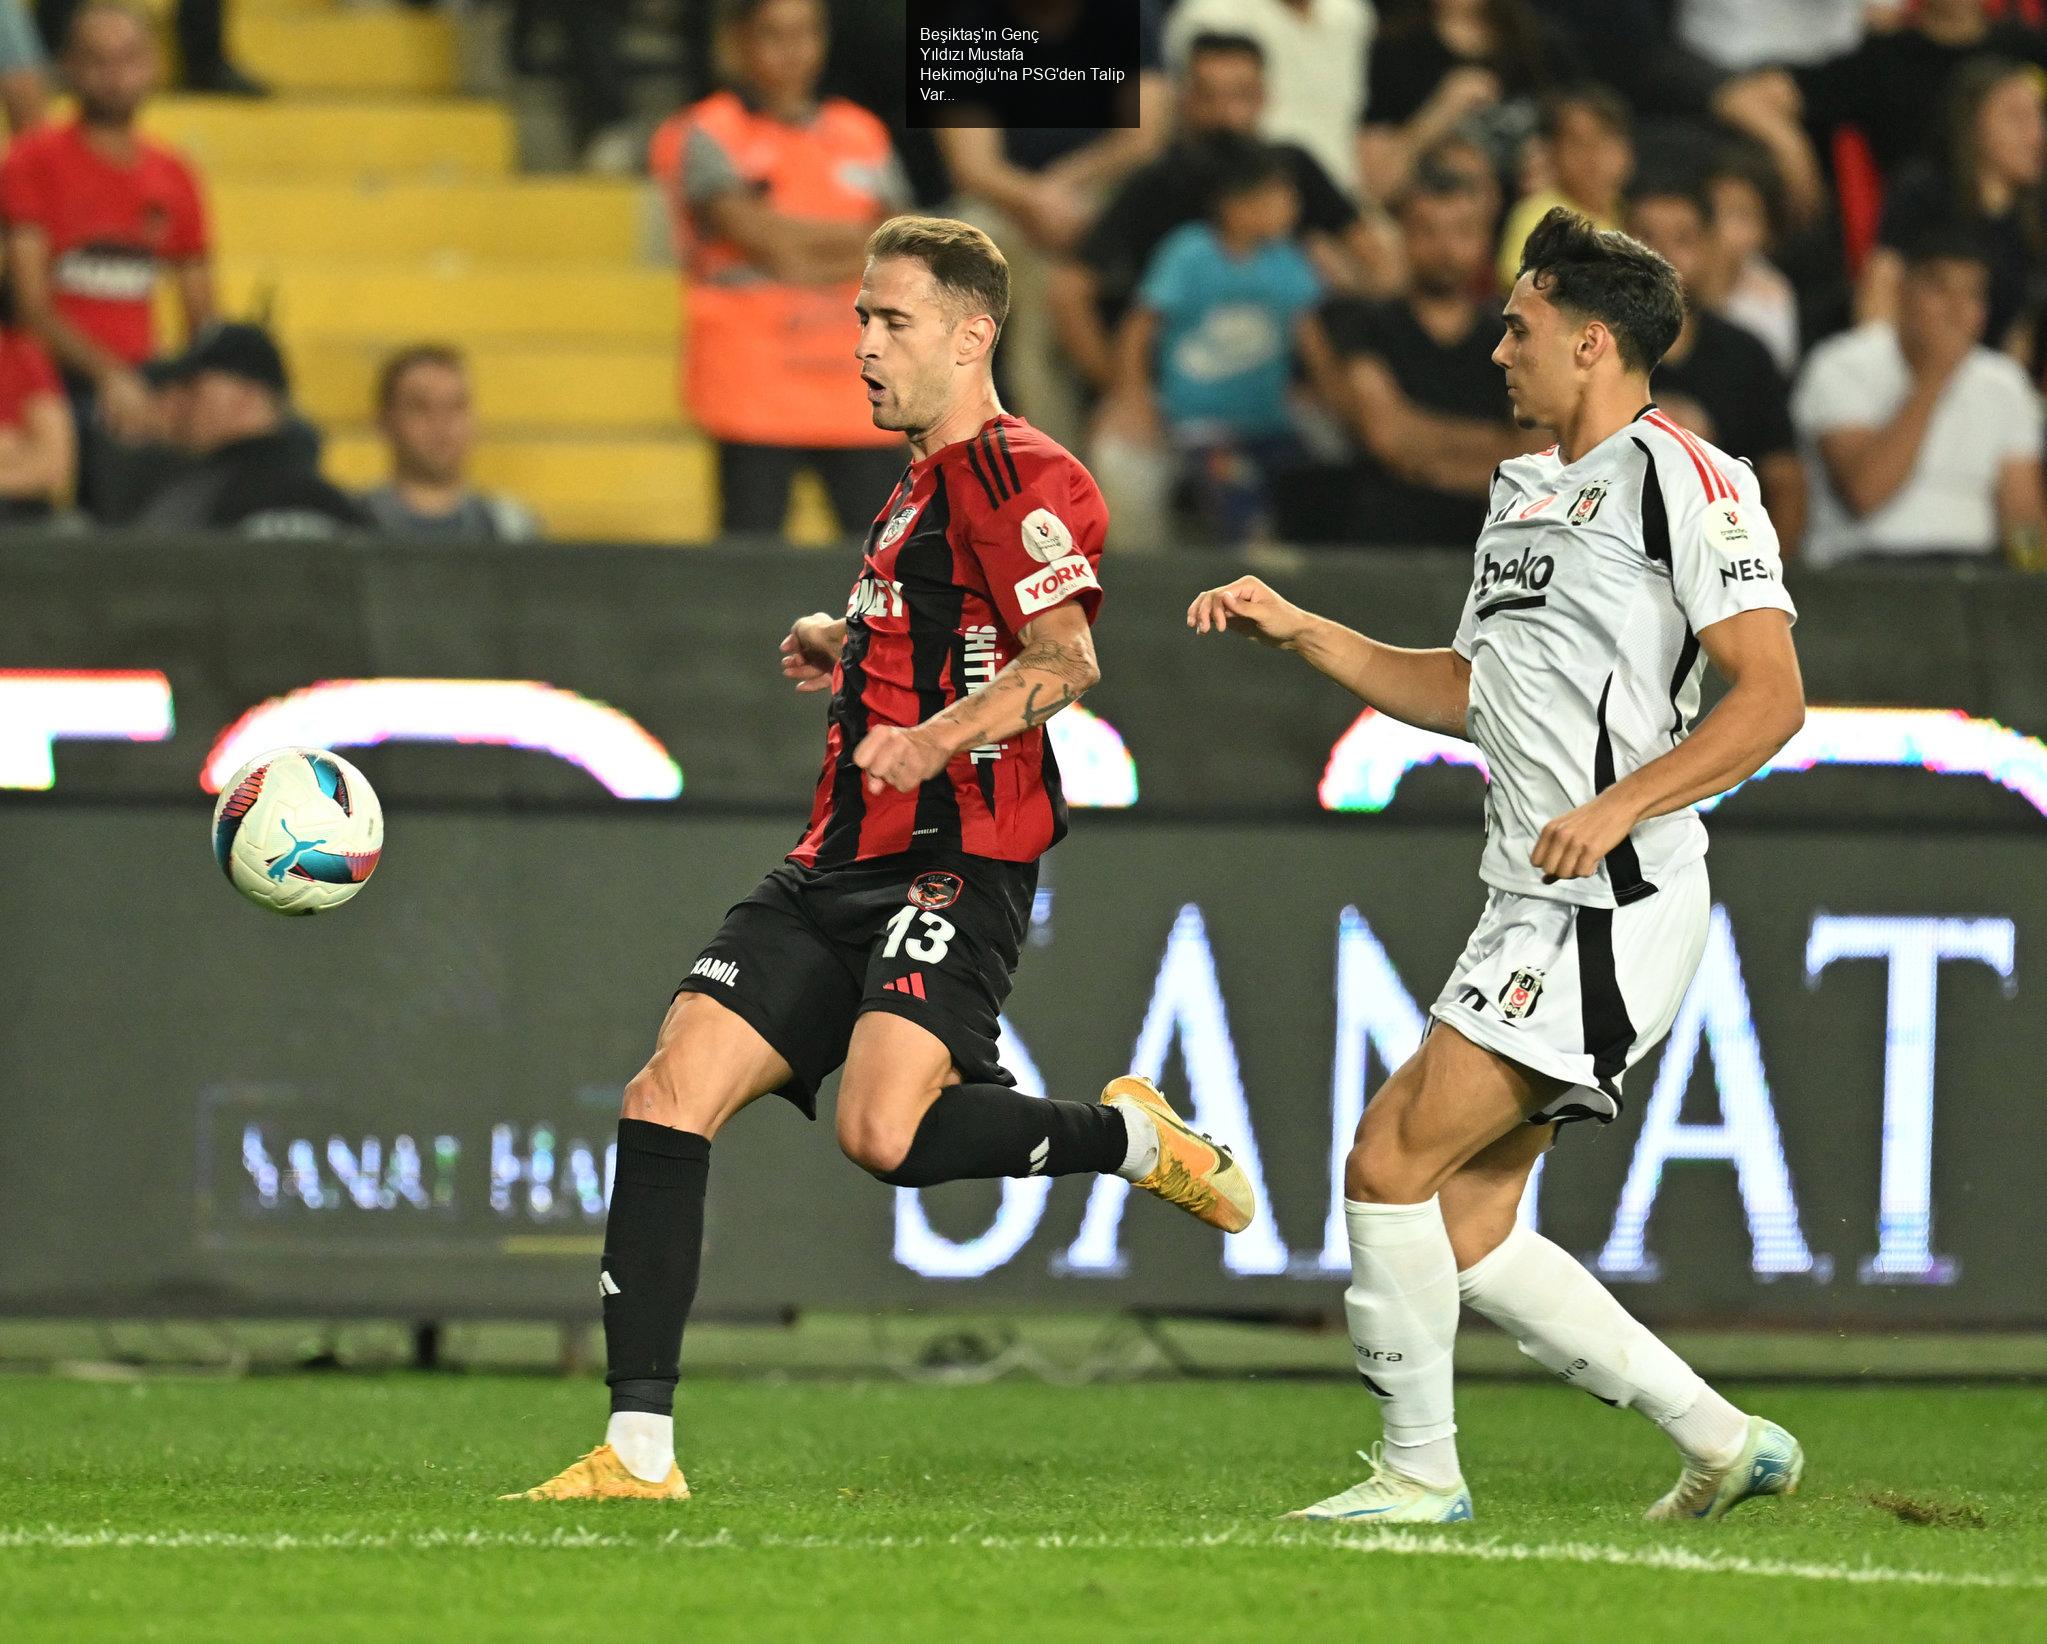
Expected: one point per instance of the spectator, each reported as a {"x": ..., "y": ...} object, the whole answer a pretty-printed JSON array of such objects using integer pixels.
[
  {"x": 1452, "y": 66},
  {"x": 1633, "y": 47},
  {"x": 1225, "y": 313},
  {"x": 1892, "y": 87},
  {"x": 1428, "y": 405},
  {"x": 1919, "y": 439},
  {"x": 1472, "y": 165},
  {"x": 24, "y": 68},
  {"x": 1744, "y": 35},
  {"x": 1740, "y": 282},
  {"x": 1588, "y": 146},
  {"x": 1317, "y": 53},
  {"x": 1990, "y": 185},
  {"x": 1221, "y": 96},
  {"x": 254, "y": 473},
  {"x": 96, "y": 213},
  {"x": 38, "y": 452},
  {"x": 1035, "y": 191},
  {"x": 200, "y": 30},
  {"x": 775, "y": 193},
  {"x": 424, "y": 410},
  {"x": 1717, "y": 379}
]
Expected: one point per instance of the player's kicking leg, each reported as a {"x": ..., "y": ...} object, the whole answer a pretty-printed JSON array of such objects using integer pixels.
[
  {"x": 1570, "y": 1323},
  {"x": 708, "y": 1063},
  {"x": 925, "y": 1098},
  {"x": 910, "y": 1117}
]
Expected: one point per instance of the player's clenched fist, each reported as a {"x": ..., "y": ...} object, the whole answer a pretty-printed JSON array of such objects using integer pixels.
[
  {"x": 1573, "y": 846},
  {"x": 811, "y": 650},
  {"x": 901, "y": 759},
  {"x": 1254, "y": 607}
]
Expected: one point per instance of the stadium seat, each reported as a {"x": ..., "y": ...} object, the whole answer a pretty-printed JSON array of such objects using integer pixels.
[
  {"x": 571, "y": 219},
  {"x": 529, "y": 386},
  {"x": 456, "y": 300},
  {"x": 659, "y": 490},
  {"x": 345, "y": 48},
  {"x": 368, "y": 206},
  {"x": 339, "y": 140}
]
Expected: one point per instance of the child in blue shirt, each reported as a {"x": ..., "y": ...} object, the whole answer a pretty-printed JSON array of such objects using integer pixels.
[{"x": 1206, "y": 357}]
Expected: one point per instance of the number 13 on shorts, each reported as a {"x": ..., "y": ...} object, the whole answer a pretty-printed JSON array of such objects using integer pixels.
[{"x": 929, "y": 947}]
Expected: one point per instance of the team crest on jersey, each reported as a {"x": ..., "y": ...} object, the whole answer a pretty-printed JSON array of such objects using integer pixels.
[
  {"x": 1587, "y": 504},
  {"x": 936, "y": 890},
  {"x": 1519, "y": 997},
  {"x": 1045, "y": 536},
  {"x": 898, "y": 523}
]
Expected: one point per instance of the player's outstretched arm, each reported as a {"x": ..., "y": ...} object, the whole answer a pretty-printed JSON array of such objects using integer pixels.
[
  {"x": 810, "y": 650},
  {"x": 1762, "y": 710},
  {"x": 1053, "y": 670},
  {"x": 1431, "y": 689}
]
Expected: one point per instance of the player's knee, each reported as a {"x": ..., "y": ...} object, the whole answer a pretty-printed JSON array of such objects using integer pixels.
[
  {"x": 877, "y": 1141},
  {"x": 1376, "y": 1172},
  {"x": 657, "y": 1096},
  {"x": 1387, "y": 1163}
]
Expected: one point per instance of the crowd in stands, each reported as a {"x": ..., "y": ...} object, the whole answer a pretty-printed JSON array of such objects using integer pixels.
[
  {"x": 1262, "y": 303},
  {"x": 100, "y": 420},
  {"x": 1272, "y": 300}
]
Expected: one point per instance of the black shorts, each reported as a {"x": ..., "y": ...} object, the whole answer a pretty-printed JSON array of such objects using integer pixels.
[{"x": 930, "y": 936}]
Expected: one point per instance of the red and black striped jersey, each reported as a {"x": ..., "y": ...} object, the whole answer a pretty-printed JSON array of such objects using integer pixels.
[{"x": 977, "y": 540}]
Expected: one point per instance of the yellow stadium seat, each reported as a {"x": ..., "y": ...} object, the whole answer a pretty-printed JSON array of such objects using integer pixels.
[
  {"x": 330, "y": 140},
  {"x": 543, "y": 219},
  {"x": 344, "y": 49},
  {"x": 604, "y": 490},
  {"x": 454, "y": 299},
  {"x": 366, "y": 207},
  {"x": 590, "y": 387}
]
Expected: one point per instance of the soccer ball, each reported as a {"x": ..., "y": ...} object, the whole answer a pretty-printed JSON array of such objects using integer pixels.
[{"x": 298, "y": 830}]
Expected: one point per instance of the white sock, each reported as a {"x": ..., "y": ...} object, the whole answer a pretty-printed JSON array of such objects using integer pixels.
[
  {"x": 1402, "y": 1307},
  {"x": 1141, "y": 1155},
  {"x": 645, "y": 1443},
  {"x": 1569, "y": 1322},
  {"x": 1709, "y": 1429}
]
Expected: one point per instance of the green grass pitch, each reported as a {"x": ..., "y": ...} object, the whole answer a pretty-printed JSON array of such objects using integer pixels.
[{"x": 360, "y": 1508}]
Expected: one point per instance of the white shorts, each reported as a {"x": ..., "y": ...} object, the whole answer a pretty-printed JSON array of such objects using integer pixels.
[{"x": 1579, "y": 994}]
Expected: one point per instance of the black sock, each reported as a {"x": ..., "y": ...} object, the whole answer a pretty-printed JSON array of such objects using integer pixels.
[
  {"x": 653, "y": 1241},
  {"x": 973, "y": 1132}
]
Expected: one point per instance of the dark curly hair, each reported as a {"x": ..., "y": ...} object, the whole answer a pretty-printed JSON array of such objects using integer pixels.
[{"x": 1608, "y": 277}]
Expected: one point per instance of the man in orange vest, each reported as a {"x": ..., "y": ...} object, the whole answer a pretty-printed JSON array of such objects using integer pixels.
[{"x": 775, "y": 192}]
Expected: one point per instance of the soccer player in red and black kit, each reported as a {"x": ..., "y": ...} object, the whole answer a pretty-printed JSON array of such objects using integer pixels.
[{"x": 887, "y": 940}]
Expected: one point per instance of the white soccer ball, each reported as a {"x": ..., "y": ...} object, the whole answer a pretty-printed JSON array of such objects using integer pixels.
[{"x": 298, "y": 830}]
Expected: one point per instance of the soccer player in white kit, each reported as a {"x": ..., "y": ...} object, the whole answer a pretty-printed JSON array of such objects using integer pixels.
[{"x": 1607, "y": 567}]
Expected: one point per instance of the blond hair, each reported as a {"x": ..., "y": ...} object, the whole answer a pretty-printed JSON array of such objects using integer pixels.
[{"x": 971, "y": 273}]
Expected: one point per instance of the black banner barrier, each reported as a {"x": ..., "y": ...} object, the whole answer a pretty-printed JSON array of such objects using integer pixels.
[
  {"x": 554, "y": 676},
  {"x": 404, "y": 1108}
]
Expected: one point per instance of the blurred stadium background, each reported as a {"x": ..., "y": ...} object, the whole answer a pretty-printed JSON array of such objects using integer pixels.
[{"x": 378, "y": 1141}]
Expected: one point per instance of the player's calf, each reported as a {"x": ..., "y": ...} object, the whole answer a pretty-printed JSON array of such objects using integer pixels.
[{"x": 907, "y": 1119}]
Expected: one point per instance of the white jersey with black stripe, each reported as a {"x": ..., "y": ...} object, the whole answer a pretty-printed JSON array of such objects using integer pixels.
[{"x": 1593, "y": 581}]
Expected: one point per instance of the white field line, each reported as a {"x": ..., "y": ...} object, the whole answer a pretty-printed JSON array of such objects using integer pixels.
[{"x": 1391, "y": 1543}]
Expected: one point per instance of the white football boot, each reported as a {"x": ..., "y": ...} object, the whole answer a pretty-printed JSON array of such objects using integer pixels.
[
  {"x": 1388, "y": 1497},
  {"x": 1770, "y": 1463}
]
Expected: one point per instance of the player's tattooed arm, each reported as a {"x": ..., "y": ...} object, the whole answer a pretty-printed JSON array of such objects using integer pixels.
[
  {"x": 1431, "y": 689},
  {"x": 1055, "y": 668}
]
